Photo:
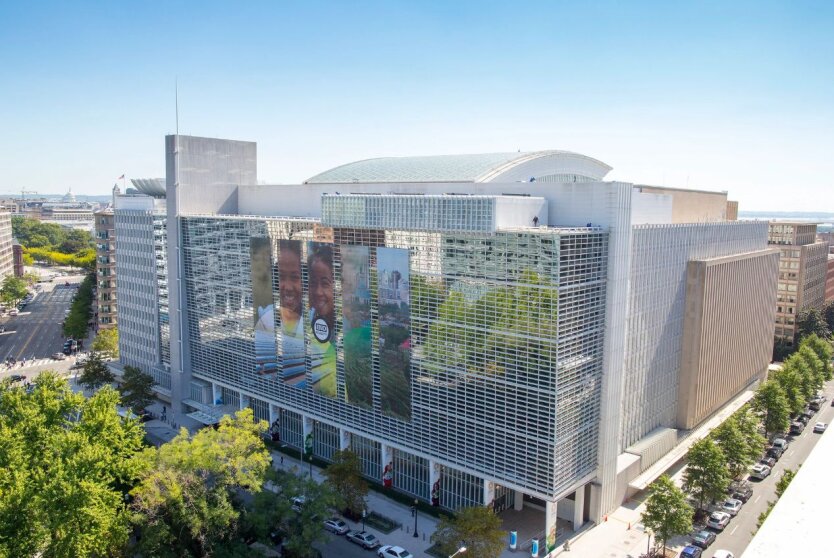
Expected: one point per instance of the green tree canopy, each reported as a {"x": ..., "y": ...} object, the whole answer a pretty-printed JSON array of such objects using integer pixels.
[
  {"x": 32, "y": 233},
  {"x": 13, "y": 290},
  {"x": 824, "y": 351},
  {"x": 828, "y": 315},
  {"x": 784, "y": 481},
  {"x": 95, "y": 373},
  {"x": 791, "y": 383},
  {"x": 66, "y": 463},
  {"x": 733, "y": 444},
  {"x": 107, "y": 343},
  {"x": 185, "y": 501},
  {"x": 136, "y": 388},
  {"x": 706, "y": 477},
  {"x": 811, "y": 322},
  {"x": 478, "y": 527},
  {"x": 345, "y": 477},
  {"x": 667, "y": 512},
  {"x": 772, "y": 405},
  {"x": 748, "y": 426}
]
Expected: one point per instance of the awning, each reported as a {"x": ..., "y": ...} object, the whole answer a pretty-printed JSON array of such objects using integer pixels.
[{"x": 204, "y": 418}]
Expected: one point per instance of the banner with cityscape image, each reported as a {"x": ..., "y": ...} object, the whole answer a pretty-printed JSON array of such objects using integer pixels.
[
  {"x": 260, "y": 252},
  {"x": 356, "y": 325},
  {"x": 290, "y": 292},
  {"x": 394, "y": 332},
  {"x": 322, "y": 318}
]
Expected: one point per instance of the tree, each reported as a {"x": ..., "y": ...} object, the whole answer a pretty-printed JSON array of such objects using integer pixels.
[
  {"x": 748, "y": 426},
  {"x": 811, "y": 322},
  {"x": 784, "y": 481},
  {"x": 13, "y": 290},
  {"x": 479, "y": 527},
  {"x": 828, "y": 315},
  {"x": 667, "y": 513},
  {"x": 345, "y": 477},
  {"x": 95, "y": 373},
  {"x": 30, "y": 278},
  {"x": 772, "y": 405},
  {"x": 782, "y": 349},
  {"x": 107, "y": 343},
  {"x": 136, "y": 388},
  {"x": 816, "y": 366},
  {"x": 67, "y": 464},
  {"x": 185, "y": 502},
  {"x": 733, "y": 444},
  {"x": 824, "y": 352},
  {"x": 706, "y": 477},
  {"x": 792, "y": 384}
]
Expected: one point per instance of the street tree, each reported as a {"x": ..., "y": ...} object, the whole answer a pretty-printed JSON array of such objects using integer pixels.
[
  {"x": 811, "y": 322},
  {"x": 478, "y": 527},
  {"x": 828, "y": 315},
  {"x": 95, "y": 373},
  {"x": 772, "y": 405},
  {"x": 824, "y": 351},
  {"x": 345, "y": 477},
  {"x": 667, "y": 512},
  {"x": 136, "y": 388},
  {"x": 808, "y": 378},
  {"x": 13, "y": 290},
  {"x": 784, "y": 481},
  {"x": 748, "y": 426},
  {"x": 185, "y": 502},
  {"x": 733, "y": 444},
  {"x": 67, "y": 464},
  {"x": 106, "y": 343},
  {"x": 706, "y": 477},
  {"x": 30, "y": 278},
  {"x": 792, "y": 384}
]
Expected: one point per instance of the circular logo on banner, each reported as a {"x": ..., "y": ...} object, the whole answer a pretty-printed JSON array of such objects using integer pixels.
[{"x": 321, "y": 330}]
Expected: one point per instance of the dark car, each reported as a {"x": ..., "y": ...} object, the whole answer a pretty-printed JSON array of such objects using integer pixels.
[
  {"x": 769, "y": 461},
  {"x": 796, "y": 428},
  {"x": 775, "y": 452},
  {"x": 17, "y": 378},
  {"x": 742, "y": 493},
  {"x": 691, "y": 552},
  {"x": 703, "y": 538}
]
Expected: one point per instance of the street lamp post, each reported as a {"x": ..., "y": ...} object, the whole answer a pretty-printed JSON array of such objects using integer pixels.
[
  {"x": 363, "y": 518},
  {"x": 461, "y": 550},
  {"x": 311, "y": 466},
  {"x": 415, "y": 516}
]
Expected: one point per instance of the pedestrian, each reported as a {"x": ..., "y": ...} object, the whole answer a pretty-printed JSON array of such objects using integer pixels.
[{"x": 282, "y": 459}]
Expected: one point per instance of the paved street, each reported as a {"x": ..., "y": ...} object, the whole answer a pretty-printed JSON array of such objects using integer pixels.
[{"x": 35, "y": 334}]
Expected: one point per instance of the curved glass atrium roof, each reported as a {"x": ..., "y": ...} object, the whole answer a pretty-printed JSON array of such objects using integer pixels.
[
  {"x": 481, "y": 167},
  {"x": 150, "y": 186}
]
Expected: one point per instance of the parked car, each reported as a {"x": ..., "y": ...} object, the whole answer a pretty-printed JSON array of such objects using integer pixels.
[
  {"x": 59, "y": 356},
  {"x": 760, "y": 471},
  {"x": 718, "y": 520},
  {"x": 691, "y": 552},
  {"x": 796, "y": 428},
  {"x": 732, "y": 506},
  {"x": 769, "y": 461},
  {"x": 775, "y": 452},
  {"x": 723, "y": 554},
  {"x": 742, "y": 493},
  {"x": 703, "y": 538},
  {"x": 389, "y": 551},
  {"x": 17, "y": 378},
  {"x": 363, "y": 538},
  {"x": 13, "y": 312},
  {"x": 336, "y": 525},
  {"x": 815, "y": 404},
  {"x": 820, "y": 427},
  {"x": 780, "y": 443},
  {"x": 298, "y": 503}
]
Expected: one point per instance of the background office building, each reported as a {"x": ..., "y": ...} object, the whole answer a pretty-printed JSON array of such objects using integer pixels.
[
  {"x": 803, "y": 261},
  {"x": 105, "y": 240},
  {"x": 479, "y": 329},
  {"x": 6, "y": 245}
]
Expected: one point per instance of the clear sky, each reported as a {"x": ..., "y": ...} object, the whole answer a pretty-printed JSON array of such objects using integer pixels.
[{"x": 725, "y": 95}]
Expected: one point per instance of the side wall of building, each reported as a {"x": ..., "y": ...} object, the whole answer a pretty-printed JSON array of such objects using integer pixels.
[
  {"x": 6, "y": 251},
  {"x": 812, "y": 272},
  {"x": 727, "y": 332},
  {"x": 692, "y": 206}
]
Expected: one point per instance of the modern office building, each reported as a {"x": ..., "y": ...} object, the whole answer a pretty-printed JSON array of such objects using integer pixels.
[
  {"x": 498, "y": 329},
  {"x": 803, "y": 265},
  {"x": 829, "y": 279},
  {"x": 105, "y": 239},
  {"x": 6, "y": 245},
  {"x": 140, "y": 225}
]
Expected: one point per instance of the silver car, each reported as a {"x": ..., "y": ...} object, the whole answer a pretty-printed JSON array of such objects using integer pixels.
[
  {"x": 718, "y": 520},
  {"x": 336, "y": 525},
  {"x": 731, "y": 506}
]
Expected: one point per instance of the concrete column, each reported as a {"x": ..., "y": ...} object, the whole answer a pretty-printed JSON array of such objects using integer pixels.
[
  {"x": 387, "y": 465},
  {"x": 435, "y": 471},
  {"x": 578, "y": 507},
  {"x": 596, "y": 503},
  {"x": 519, "y": 500},
  {"x": 274, "y": 414},
  {"x": 344, "y": 439},
  {"x": 244, "y": 401},
  {"x": 489, "y": 493},
  {"x": 551, "y": 511},
  {"x": 307, "y": 440},
  {"x": 217, "y": 394}
]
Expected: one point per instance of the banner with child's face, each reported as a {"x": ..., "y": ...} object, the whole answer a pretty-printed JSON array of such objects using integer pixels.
[
  {"x": 290, "y": 293},
  {"x": 322, "y": 318}
]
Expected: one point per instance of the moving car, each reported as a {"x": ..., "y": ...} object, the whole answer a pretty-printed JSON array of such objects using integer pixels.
[
  {"x": 759, "y": 471},
  {"x": 363, "y": 538},
  {"x": 718, "y": 520},
  {"x": 389, "y": 551},
  {"x": 820, "y": 427},
  {"x": 703, "y": 538},
  {"x": 691, "y": 552},
  {"x": 732, "y": 506},
  {"x": 59, "y": 356},
  {"x": 336, "y": 525}
]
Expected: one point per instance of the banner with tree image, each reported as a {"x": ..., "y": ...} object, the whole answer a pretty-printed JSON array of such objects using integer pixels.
[
  {"x": 394, "y": 332},
  {"x": 356, "y": 325}
]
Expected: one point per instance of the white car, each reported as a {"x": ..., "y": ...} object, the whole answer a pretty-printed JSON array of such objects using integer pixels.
[
  {"x": 13, "y": 312},
  {"x": 718, "y": 520},
  {"x": 820, "y": 427},
  {"x": 59, "y": 356},
  {"x": 731, "y": 506},
  {"x": 760, "y": 471},
  {"x": 336, "y": 525},
  {"x": 723, "y": 554},
  {"x": 389, "y": 551}
]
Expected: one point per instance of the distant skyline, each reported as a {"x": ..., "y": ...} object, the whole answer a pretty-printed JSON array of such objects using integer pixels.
[{"x": 735, "y": 96}]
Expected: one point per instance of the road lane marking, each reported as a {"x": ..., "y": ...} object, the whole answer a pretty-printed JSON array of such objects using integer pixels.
[
  {"x": 791, "y": 453},
  {"x": 733, "y": 532},
  {"x": 757, "y": 498}
]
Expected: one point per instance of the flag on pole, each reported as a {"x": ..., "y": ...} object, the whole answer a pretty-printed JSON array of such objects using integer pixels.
[{"x": 121, "y": 177}]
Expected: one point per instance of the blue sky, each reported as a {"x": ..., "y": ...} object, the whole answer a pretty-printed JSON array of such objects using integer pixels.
[{"x": 735, "y": 96}]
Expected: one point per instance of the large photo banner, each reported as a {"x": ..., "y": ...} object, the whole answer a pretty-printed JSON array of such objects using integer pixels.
[
  {"x": 292, "y": 317},
  {"x": 356, "y": 325},
  {"x": 322, "y": 318},
  {"x": 394, "y": 332},
  {"x": 260, "y": 252}
]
